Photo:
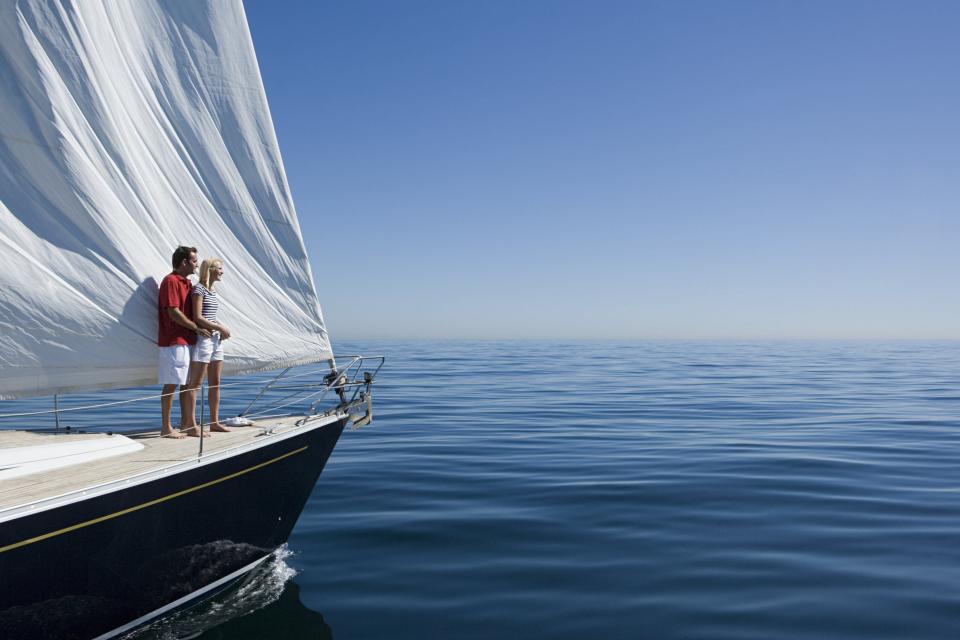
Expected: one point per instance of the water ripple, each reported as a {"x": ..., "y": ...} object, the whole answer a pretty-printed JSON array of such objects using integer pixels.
[{"x": 648, "y": 490}]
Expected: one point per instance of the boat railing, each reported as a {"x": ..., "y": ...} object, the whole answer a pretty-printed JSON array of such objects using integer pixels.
[{"x": 350, "y": 383}]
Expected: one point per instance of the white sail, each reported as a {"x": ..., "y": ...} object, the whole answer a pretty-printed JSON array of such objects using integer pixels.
[{"x": 128, "y": 128}]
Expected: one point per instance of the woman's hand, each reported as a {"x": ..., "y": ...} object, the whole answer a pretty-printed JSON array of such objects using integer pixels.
[{"x": 224, "y": 332}]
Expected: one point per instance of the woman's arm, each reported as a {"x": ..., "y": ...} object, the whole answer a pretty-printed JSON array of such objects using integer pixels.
[
  {"x": 203, "y": 322},
  {"x": 198, "y": 313}
]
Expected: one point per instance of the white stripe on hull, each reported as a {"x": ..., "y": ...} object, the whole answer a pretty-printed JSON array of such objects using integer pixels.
[{"x": 181, "y": 601}]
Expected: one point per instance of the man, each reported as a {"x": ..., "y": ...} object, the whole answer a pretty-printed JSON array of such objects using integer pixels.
[{"x": 177, "y": 331}]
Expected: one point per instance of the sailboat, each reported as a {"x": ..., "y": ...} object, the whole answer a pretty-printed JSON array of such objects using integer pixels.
[{"x": 127, "y": 129}]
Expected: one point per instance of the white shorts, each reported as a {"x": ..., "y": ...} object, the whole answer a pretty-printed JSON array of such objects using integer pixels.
[
  {"x": 207, "y": 349},
  {"x": 173, "y": 364}
]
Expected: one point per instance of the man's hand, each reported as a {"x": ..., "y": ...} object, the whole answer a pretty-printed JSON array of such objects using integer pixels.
[{"x": 178, "y": 316}]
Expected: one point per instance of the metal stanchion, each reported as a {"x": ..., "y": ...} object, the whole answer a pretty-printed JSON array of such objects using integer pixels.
[{"x": 201, "y": 418}]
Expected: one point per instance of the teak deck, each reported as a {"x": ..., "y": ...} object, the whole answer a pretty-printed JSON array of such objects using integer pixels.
[{"x": 157, "y": 453}]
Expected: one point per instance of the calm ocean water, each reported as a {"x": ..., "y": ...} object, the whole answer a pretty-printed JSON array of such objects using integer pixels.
[{"x": 647, "y": 490}]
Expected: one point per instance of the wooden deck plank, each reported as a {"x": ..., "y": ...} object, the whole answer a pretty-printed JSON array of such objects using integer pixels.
[{"x": 157, "y": 453}]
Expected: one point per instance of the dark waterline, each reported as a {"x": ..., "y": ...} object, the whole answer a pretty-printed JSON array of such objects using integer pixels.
[{"x": 647, "y": 490}]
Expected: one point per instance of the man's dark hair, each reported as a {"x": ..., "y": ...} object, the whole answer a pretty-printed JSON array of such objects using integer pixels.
[{"x": 181, "y": 254}]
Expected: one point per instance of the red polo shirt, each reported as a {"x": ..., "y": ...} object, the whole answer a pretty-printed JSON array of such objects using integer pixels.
[{"x": 174, "y": 292}]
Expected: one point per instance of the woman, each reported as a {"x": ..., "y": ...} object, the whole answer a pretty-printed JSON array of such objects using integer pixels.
[{"x": 207, "y": 353}]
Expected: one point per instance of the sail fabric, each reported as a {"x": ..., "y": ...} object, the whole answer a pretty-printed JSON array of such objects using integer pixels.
[{"x": 127, "y": 129}]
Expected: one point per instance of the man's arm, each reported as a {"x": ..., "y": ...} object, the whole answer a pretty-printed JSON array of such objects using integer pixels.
[{"x": 178, "y": 316}]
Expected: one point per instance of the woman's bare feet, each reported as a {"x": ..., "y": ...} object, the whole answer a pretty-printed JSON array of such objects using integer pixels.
[
  {"x": 194, "y": 432},
  {"x": 170, "y": 433},
  {"x": 216, "y": 426}
]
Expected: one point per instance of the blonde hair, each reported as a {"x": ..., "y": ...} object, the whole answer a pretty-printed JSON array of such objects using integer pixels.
[{"x": 205, "y": 267}]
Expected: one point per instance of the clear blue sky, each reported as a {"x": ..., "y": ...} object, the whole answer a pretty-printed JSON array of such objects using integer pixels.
[{"x": 608, "y": 169}]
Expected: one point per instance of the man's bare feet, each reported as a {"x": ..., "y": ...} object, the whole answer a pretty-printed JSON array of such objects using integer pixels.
[
  {"x": 216, "y": 426},
  {"x": 194, "y": 432},
  {"x": 170, "y": 433}
]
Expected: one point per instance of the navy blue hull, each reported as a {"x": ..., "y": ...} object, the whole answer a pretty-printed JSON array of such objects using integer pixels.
[{"x": 156, "y": 543}]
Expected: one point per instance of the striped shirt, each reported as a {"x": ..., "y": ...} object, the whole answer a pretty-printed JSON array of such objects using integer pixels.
[{"x": 210, "y": 302}]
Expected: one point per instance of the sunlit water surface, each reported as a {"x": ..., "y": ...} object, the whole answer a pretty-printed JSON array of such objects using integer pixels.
[{"x": 647, "y": 490}]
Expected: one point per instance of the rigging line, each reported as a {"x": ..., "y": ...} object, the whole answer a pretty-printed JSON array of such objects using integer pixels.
[
  {"x": 322, "y": 392},
  {"x": 132, "y": 400},
  {"x": 275, "y": 407}
]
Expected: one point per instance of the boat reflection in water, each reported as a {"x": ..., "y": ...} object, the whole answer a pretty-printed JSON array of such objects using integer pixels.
[{"x": 264, "y": 605}]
